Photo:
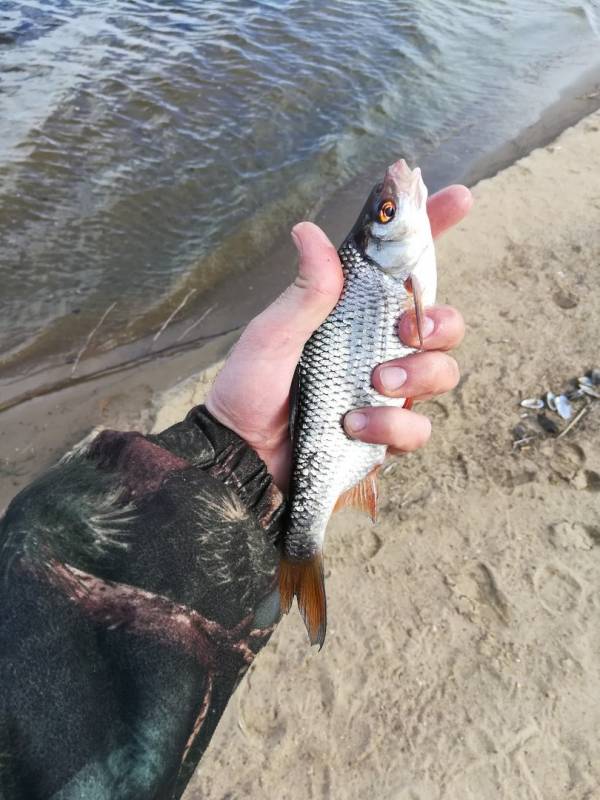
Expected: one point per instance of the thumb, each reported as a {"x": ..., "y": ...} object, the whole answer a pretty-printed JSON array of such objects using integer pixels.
[
  {"x": 282, "y": 329},
  {"x": 250, "y": 394}
]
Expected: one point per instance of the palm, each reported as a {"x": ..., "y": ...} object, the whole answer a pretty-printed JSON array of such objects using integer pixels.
[{"x": 251, "y": 393}]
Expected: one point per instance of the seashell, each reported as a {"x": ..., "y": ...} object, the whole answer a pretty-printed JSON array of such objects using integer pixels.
[
  {"x": 590, "y": 391},
  {"x": 551, "y": 401},
  {"x": 563, "y": 407},
  {"x": 532, "y": 402},
  {"x": 575, "y": 394}
]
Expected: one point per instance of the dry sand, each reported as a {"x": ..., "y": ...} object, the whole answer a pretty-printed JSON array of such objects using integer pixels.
[{"x": 463, "y": 654}]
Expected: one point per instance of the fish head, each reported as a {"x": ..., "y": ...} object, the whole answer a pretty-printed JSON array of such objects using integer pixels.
[
  {"x": 401, "y": 203},
  {"x": 394, "y": 223}
]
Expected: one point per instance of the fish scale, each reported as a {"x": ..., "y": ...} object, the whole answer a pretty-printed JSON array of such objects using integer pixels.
[{"x": 334, "y": 377}]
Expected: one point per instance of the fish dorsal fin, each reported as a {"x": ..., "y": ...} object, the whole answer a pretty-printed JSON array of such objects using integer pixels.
[
  {"x": 305, "y": 580},
  {"x": 294, "y": 400},
  {"x": 362, "y": 496}
]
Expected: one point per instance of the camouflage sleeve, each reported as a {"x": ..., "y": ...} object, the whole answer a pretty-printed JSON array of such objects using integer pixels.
[{"x": 137, "y": 583}]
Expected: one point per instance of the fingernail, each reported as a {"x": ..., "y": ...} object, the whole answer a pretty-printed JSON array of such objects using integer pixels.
[
  {"x": 428, "y": 326},
  {"x": 297, "y": 240},
  {"x": 392, "y": 378},
  {"x": 355, "y": 421}
]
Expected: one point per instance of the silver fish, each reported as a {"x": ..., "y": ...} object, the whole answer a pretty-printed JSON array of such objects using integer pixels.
[{"x": 389, "y": 266}]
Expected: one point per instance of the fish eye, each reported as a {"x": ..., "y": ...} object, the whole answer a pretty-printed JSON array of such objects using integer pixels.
[{"x": 386, "y": 211}]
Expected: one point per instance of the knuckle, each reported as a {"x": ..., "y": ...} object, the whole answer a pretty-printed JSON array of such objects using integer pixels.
[
  {"x": 453, "y": 327},
  {"x": 319, "y": 289},
  {"x": 443, "y": 372},
  {"x": 421, "y": 433},
  {"x": 435, "y": 367},
  {"x": 425, "y": 432},
  {"x": 409, "y": 431},
  {"x": 454, "y": 371}
]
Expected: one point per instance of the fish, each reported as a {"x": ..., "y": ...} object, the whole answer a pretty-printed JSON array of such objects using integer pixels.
[{"x": 389, "y": 266}]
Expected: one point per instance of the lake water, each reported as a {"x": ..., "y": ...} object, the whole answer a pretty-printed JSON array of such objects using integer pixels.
[{"x": 149, "y": 149}]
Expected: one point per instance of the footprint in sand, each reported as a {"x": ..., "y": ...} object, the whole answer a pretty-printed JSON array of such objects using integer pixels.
[
  {"x": 566, "y": 459},
  {"x": 558, "y": 590},
  {"x": 477, "y": 593}
]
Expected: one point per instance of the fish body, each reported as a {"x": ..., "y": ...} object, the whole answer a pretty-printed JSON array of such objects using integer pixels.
[{"x": 387, "y": 265}]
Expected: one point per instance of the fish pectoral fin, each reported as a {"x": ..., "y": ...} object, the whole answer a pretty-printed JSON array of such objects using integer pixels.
[
  {"x": 362, "y": 496},
  {"x": 305, "y": 580},
  {"x": 412, "y": 286}
]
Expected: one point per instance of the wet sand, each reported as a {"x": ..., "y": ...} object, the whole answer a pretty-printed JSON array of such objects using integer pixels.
[{"x": 463, "y": 653}]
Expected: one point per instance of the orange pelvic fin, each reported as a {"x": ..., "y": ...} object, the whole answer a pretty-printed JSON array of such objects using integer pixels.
[
  {"x": 362, "y": 496},
  {"x": 305, "y": 581}
]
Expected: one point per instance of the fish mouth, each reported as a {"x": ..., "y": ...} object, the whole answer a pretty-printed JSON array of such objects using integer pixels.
[{"x": 401, "y": 179}]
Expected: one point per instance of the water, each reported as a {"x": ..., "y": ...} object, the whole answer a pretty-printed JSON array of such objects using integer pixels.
[{"x": 148, "y": 149}]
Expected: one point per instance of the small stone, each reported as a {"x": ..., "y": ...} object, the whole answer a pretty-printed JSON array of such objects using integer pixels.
[
  {"x": 548, "y": 424},
  {"x": 593, "y": 480},
  {"x": 570, "y": 535},
  {"x": 565, "y": 300},
  {"x": 579, "y": 480}
]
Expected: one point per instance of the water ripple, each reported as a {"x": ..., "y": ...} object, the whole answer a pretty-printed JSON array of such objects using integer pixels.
[{"x": 149, "y": 148}]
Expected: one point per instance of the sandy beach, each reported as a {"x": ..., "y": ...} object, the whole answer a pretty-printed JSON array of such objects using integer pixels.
[{"x": 463, "y": 653}]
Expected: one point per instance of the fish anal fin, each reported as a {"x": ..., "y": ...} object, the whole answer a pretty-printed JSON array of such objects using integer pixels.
[
  {"x": 305, "y": 580},
  {"x": 363, "y": 496}
]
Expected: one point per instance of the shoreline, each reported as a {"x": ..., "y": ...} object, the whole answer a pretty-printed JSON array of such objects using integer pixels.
[
  {"x": 581, "y": 99},
  {"x": 137, "y": 374},
  {"x": 452, "y": 162}
]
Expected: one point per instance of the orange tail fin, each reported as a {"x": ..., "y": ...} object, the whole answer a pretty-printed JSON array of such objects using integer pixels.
[{"x": 305, "y": 580}]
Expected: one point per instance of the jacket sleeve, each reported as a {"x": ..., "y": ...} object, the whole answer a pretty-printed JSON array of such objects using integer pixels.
[{"x": 137, "y": 583}]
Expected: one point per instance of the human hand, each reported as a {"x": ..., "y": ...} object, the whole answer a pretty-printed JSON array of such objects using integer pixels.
[{"x": 251, "y": 393}]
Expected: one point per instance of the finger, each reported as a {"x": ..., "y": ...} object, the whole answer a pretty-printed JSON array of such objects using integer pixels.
[
  {"x": 416, "y": 376},
  {"x": 396, "y": 427},
  {"x": 443, "y": 328},
  {"x": 447, "y": 207}
]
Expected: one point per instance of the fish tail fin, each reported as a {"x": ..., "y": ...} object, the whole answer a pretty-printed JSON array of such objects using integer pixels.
[{"x": 305, "y": 580}]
